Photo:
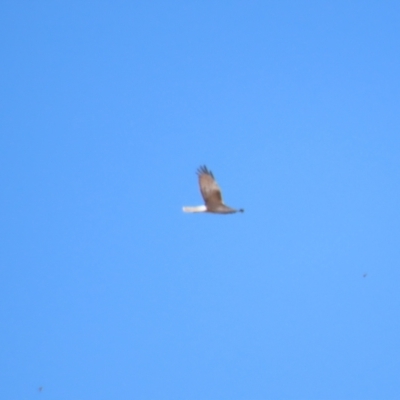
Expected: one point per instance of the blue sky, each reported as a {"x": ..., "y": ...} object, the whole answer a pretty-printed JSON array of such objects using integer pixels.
[{"x": 109, "y": 291}]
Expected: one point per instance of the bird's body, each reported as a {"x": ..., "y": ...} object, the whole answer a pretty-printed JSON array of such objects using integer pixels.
[{"x": 212, "y": 196}]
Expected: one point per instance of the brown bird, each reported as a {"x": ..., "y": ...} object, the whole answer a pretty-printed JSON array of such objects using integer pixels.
[{"x": 211, "y": 194}]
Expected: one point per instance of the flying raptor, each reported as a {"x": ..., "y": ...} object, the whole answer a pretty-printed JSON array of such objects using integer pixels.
[{"x": 211, "y": 194}]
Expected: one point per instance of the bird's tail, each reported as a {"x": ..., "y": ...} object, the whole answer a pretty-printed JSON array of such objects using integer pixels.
[{"x": 196, "y": 209}]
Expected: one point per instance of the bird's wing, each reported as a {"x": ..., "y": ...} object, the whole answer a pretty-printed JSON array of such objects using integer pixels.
[{"x": 209, "y": 188}]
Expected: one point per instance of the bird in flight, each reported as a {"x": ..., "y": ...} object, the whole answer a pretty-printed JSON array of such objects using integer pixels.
[{"x": 211, "y": 194}]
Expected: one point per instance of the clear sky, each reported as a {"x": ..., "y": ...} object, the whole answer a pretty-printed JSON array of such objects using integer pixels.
[{"x": 109, "y": 291}]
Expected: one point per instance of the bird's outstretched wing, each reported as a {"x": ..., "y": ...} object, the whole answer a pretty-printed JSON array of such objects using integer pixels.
[{"x": 209, "y": 188}]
